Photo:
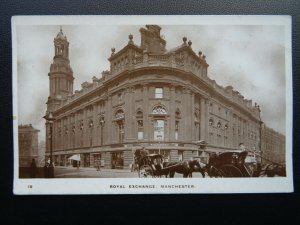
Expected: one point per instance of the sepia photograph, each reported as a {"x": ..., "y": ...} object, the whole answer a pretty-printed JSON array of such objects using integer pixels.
[{"x": 152, "y": 104}]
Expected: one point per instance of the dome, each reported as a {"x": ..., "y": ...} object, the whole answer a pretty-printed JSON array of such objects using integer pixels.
[{"x": 61, "y": 35}]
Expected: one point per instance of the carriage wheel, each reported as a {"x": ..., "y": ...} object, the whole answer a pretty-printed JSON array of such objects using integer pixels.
[
  {"x": 230, "y": 171},
  {"x": 145, "y": 171}
]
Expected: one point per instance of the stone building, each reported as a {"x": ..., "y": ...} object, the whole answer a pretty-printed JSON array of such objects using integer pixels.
[
  {"x": 273, "y": 145},
  {"x": 28, "y": 144},
  {"x": 161, "y": 99}
]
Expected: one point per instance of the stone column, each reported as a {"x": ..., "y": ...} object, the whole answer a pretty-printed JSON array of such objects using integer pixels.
[
  {"x": 146, "y": 122},
  {"x": 86, "y": 131},
  {"x": 203, "y": 120},
  {"x": 192, "y": 122},
  {"x": 172, "y": 110},
  {"x": 95, "y": 125},
  {"x": 108, "y": 128},
  {"x": 75, "y": 141},
  {"x": 187, "y": 114},
  {"x": 129, "y": 114}
]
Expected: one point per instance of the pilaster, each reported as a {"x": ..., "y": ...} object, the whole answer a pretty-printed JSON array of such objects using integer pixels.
[
  {"x": 172, "y": 111},
  {"x": 146, "y": 122}
]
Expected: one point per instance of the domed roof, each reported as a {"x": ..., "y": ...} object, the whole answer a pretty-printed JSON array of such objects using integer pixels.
[{"x": 61, "y": 35}]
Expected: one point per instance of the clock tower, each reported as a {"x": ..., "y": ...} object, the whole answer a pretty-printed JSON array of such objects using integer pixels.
[{"x": 61, "y": 74}]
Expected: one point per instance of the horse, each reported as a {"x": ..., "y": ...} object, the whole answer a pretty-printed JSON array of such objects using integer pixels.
[
  {"x": 212, "y": 165},
  {"x": 185, "y": 167},
  {"x": 195, "y": 166}
]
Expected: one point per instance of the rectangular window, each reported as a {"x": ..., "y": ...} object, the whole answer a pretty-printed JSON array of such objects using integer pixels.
[
  {"x": 140, "y": 135},
  {"x": 140, "y": 129},
  {"x": 159, "y": 130},
  {"x": 158, "y": 93}
]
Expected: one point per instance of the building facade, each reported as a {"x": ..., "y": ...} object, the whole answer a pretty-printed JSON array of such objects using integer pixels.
[
  {"x": 273, "y": 146},
  {"x": 28, "y": 144},
  {"x": 150, "y": 97}
]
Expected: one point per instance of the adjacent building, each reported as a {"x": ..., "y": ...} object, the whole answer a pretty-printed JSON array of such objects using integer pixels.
[
  {"x": 273, "y": 145},
  {"x": 150, "y": 97},
  {"x": 28, "y": 145}
]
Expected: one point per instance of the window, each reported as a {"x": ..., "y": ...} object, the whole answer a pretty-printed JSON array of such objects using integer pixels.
[
  {"x": 120, "y": 119},
  {"x": 176, "y": 129},
  {"x": 140, "y": 125},
  {"x": 158, "y": 93},
  {"x": 140, "y": 129},
  {"x": 211, "y": 122},
  {"x": 159, "y": 130},
  {"x": 121, "y": 130}
]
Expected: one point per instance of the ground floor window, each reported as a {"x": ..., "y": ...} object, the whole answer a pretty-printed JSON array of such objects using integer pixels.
[
  {"x": 86, "y": 160},
  {"x": 56, "y": 160},
  {"x": 156, "y": 151},
  {"x": 62, "y": 160},
  {"x": 97, "y": 160},
  {"x": 166, "y": 154},
  {"x": 117, "y": 160}
]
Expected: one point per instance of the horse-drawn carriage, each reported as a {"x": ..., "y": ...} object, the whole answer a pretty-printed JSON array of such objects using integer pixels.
[
  {"x": 226, "y": 164},
  {"x": 153, "y": 165},
  {"x": 240, "y": 164}
]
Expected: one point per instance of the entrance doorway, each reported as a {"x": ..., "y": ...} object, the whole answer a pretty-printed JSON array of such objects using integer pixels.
[{"x": 117, "y": 160}]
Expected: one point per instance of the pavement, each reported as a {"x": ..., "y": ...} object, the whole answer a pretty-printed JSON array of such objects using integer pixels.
[{"x": 87, "y": 172}]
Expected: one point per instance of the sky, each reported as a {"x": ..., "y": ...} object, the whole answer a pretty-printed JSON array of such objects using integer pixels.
[{"x": 251, "y": 58}]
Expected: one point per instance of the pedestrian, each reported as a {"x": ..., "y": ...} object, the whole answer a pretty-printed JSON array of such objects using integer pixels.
[
  {"x": 47, "y": 169},
  {"x": 242, "y": 147},
  {"x": 33, "y": 169},
  {"x": 98, "y": 165}
]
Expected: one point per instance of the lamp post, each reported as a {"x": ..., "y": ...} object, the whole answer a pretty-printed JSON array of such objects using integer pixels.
[{"x": 49, "y": 121}]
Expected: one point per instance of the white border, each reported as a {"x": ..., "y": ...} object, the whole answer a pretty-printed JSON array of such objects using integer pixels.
[{"x": 102, "y": 185}]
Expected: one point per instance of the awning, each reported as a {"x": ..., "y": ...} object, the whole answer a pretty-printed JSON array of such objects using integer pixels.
[{"x": 75, "y": 157}]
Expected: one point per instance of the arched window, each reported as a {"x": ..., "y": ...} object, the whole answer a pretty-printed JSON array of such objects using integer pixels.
[
  {"x": 159, "y": 110},
  {"x": 177, "y": 114},
  {"x": 139, "y": 114},
  {"x": 211, "y": 122},
  {"x": 120, "y": 117},
  {"x": 219, "y": 124}
]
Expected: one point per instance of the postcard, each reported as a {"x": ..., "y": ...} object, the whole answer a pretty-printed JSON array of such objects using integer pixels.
[{"x": 152, "y": 104}]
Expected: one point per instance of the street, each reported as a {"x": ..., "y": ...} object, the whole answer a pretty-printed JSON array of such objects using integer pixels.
[{"x": 73, "y": 172}]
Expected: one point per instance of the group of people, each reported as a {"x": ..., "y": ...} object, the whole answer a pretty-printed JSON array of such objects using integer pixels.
[{"x": 34, "y": 172}]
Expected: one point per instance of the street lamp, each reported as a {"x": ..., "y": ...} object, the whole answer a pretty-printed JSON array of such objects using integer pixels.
[{"x": 49, "y": 121}]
